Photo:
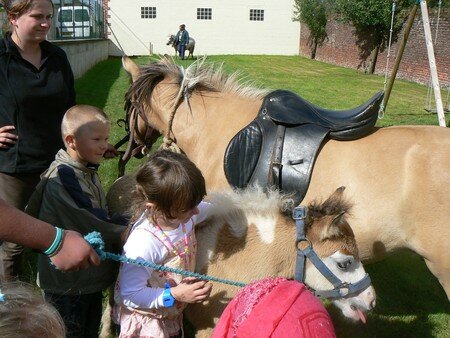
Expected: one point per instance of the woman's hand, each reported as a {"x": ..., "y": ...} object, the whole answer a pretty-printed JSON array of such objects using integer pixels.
[
  {"x": 7, "y": 139},
  {"x": 191, "y": 290}
]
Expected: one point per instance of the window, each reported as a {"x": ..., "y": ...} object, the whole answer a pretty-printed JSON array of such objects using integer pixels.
[
  {"x": 148, "y": 12},
  {"x": 257, "y": 15},
  {"x": 204, "y": 13},
  {"x": 81, "y": 15}
]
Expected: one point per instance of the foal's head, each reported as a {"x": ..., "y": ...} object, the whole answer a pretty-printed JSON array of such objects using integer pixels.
[{"x": 332, "y": 238}]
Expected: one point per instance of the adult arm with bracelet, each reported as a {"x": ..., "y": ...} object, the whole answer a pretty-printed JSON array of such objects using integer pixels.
[{"x": 20, "y": 228}]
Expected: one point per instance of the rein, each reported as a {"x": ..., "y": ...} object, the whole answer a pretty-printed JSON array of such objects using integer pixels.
[
  {"x": 168, "y": 141},
  {"x": 341, "y": 289},
  {"x": 96, "y": 241}
]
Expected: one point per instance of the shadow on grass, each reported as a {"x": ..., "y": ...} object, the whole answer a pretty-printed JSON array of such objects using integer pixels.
[{"x": 410, "y": 302}]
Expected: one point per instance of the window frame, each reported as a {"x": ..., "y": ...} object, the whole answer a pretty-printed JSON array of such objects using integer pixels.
[
  {"x": 148, "y": 12},
  {"x": 204, "y": 13},
  {"x": 256, "y": 14}
]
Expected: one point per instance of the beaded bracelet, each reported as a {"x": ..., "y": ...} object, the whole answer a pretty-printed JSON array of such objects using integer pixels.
[
  {"x": 56, "y": 245},
  {"x": 58, "y": 248}
]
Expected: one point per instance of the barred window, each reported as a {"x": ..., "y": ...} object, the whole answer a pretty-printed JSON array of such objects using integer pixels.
[
  {"x": 148, "y": 12},
  {"x": 204, "y": 13},
  {"x": 257, "y": 15}
]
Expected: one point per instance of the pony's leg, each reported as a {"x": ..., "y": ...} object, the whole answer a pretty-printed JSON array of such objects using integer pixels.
[{"x": 107, "y": 327}]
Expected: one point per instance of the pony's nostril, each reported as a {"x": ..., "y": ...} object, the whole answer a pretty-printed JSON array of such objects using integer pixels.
[
  {"x": 373, "y": 303},
  {"x": 353, "y": 307}
]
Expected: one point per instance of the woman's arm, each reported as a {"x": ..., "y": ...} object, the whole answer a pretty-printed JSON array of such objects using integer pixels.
[{"x": 20, "y": 228}]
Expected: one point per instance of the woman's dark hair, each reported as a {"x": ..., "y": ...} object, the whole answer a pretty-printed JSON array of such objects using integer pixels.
[{"x": 171, "y": 182}]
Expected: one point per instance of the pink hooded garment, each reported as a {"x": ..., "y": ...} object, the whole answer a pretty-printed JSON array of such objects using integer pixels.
[{"x": 274, "y": 307}]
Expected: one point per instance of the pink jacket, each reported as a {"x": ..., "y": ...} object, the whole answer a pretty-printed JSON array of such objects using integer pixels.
[{"x": 274, "y": 307}]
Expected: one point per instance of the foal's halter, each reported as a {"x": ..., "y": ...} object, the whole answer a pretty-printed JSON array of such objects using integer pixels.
[{"x": 341, "y": 289}]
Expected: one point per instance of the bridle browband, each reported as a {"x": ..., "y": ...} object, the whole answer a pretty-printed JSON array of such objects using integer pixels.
[{"x": 341, "y": 289}]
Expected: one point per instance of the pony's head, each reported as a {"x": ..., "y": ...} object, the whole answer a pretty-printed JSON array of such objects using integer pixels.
[
  {"x": 170, "y": 40},
  {"x": 257, "y": 229},
  {"x": 331, "y": 236},
  {"x": 159, "y": 89}
]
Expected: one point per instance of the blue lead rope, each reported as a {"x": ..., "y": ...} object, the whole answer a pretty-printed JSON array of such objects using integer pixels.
[{"x": 96, "y": 241}]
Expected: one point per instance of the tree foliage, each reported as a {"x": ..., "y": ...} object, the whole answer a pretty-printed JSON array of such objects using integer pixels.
[
  {"x": 314, "y": 14},
  {"x": 372, "y": 21},
  {"x": 373, "y": 16}
]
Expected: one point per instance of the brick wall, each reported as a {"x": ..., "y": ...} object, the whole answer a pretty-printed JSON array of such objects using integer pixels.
[{"x": 340, "y": 48}]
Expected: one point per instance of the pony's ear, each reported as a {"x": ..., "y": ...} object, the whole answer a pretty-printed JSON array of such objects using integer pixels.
[
  {"x": 337, "y": 195},
  {"x": 131, "y": 67},
  {"x": 332, "y": 228}
]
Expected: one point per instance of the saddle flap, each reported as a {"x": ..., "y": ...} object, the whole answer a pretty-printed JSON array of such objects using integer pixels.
[{"x": 242, "y": 155}]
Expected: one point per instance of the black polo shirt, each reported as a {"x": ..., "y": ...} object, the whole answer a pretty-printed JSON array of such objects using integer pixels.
[{"x": 34, "y": 101}]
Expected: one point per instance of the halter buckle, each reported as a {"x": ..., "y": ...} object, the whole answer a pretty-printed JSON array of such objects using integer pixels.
[{"x": 299, "y": 212}]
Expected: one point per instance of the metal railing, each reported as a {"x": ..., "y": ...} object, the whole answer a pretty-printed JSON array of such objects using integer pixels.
[{"x": 78, "y": 20}]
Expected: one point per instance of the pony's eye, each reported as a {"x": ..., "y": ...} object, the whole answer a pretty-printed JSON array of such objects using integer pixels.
[{"x": 344, "y": 265}]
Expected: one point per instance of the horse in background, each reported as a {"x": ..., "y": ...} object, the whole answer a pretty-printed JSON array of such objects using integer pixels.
[
  {"x": 249, "y": 235},
  {"x": 189, "y": 47},
  {"x": 398, "y": 177}
]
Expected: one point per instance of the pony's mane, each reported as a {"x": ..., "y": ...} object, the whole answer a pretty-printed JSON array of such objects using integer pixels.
[
  {"x": 253, "y": 200},
  {"x": 200, "y": 75},
  {"x": 234, "y": 207},
  {"x": 250, "y": 201}
]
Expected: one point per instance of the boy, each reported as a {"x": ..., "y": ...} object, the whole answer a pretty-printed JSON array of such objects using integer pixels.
[{"x": 70, "y": 196}]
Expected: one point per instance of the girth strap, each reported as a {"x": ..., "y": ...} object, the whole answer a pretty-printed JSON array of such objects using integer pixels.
[{"x": 275, "y": 165}]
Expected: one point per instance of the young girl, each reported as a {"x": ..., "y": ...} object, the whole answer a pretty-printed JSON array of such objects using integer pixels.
[{"x": 169, "y": 193}]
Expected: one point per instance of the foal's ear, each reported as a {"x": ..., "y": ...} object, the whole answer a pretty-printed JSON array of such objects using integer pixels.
[
  {"x": 131, "y": 67},
  {"x": 332, "y": 227},
  {"x": 337, "y": 195}
]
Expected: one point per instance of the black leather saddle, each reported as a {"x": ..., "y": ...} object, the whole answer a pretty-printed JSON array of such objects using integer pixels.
[{"x": 277, "y": 150}]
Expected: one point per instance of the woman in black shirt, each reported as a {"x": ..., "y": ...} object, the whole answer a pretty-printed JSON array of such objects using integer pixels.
[{"x": 37, "y": 87}]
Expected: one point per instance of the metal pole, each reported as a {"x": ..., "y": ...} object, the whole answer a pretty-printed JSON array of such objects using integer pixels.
[
  {"x": 432, "y": 61},
  {"x": 409, "y": 24}
]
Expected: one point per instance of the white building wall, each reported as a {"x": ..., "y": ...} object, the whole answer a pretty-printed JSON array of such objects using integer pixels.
[{"x": 229, "y": 32}]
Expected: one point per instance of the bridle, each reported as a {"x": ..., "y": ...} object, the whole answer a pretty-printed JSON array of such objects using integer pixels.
[
  {"x": 138, "y": 147},
  {"x": 341, "y": 289}
]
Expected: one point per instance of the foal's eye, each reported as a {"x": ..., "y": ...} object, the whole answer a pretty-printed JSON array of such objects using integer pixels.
[{"x": 344, "y": 265}]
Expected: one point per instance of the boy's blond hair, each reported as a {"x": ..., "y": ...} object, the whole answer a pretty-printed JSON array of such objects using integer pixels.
[
  {"x": 25, "y": 313},
  {"x": 78, "y": 117}
]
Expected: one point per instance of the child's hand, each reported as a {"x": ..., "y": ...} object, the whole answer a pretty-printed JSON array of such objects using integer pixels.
[
  {"x": 191, "y": 290},
  {"x": 110, "y": 152}
]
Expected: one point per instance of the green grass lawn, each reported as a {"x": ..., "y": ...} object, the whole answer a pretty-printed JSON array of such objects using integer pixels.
[{"x": 411, "y": 302}]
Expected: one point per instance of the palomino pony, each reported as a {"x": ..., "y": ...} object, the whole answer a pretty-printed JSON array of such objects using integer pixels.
[
  {"x": 398, "y": 177},
  {"x": 250, "y": 235}
]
